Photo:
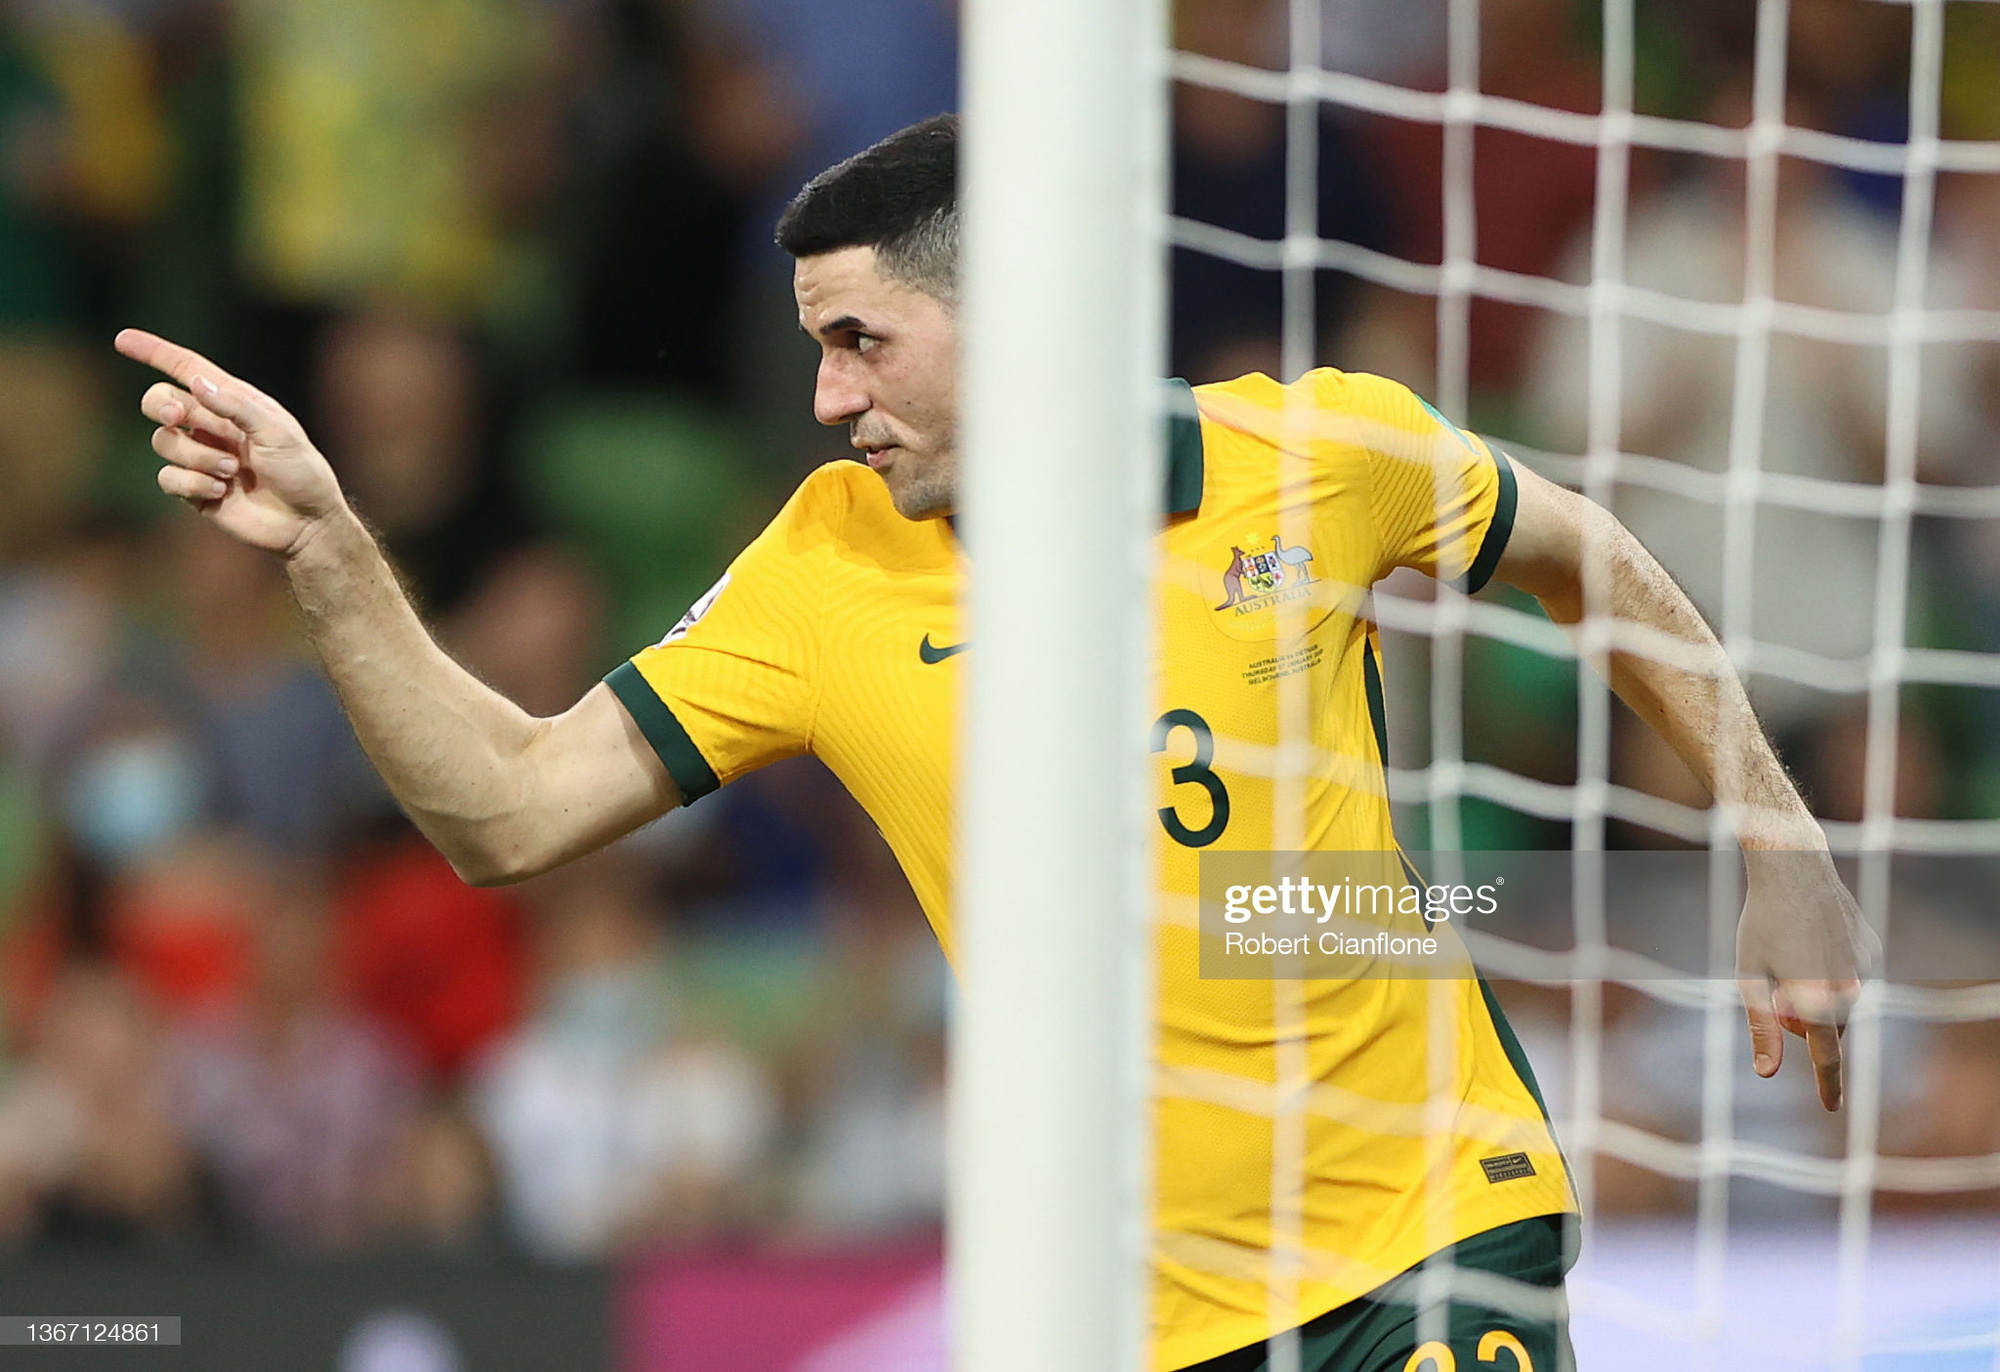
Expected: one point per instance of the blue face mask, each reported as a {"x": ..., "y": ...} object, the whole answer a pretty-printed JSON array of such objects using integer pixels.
[{"x": 126, "y": 799}]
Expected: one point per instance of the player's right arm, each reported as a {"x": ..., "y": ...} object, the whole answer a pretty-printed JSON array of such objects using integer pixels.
[{"x": 503, "y": 794}]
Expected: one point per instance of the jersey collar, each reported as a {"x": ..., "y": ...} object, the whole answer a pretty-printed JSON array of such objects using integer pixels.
[
  {"x": 1185, "y": 467},
  {"x": 1184, "y": 459}
]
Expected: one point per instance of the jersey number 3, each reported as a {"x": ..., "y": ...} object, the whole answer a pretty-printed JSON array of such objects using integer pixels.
[{"x": 1195, "y": 772}]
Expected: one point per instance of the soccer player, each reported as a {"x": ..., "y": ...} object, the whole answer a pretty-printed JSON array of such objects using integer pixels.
[{"x": 837, "y": 632}]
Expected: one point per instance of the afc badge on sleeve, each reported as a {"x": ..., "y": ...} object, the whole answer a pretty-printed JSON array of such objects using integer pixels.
[{"x": 695, "y": 612}]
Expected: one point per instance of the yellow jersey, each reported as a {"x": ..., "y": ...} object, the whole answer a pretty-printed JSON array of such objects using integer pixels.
[{"x": 836, "y": 632}]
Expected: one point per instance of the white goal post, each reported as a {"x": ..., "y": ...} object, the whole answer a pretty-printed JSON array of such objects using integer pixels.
[{"x": 1063, "y": 192}]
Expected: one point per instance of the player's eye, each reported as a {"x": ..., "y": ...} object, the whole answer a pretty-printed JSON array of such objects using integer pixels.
[{"x": 866, "y": 343}]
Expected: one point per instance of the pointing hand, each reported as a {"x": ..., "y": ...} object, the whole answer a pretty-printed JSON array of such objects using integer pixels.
[{"x": 231, "y": 451}]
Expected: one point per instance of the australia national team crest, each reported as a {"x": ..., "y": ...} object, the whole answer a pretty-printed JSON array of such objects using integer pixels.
[{"x": 1265, "y": 575}]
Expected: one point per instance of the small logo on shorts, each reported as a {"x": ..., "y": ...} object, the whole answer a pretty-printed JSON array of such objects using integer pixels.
[{"x": 1507, "y": 1167}]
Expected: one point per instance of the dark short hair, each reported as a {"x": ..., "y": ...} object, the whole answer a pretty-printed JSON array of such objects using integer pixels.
[{"x": 899, "y": 197}]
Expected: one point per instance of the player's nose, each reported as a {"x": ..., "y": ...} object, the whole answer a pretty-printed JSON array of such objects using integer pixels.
[{"x": 836, "y": 399}]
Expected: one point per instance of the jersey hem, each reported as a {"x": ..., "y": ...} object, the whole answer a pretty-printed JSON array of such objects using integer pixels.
[
  {"x": 1183, "y": 1352},
  {"x": 684, "y": 762},
  {"x": 1489, "y": 1250}
]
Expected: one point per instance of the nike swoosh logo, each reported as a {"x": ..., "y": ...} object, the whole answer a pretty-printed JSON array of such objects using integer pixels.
[{"x": 933, "y": 654}]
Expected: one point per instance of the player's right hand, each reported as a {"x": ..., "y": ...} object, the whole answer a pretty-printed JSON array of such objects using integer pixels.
[
  {"x": 1802, "y": 949},
  {"x": 232, "y": 452}
]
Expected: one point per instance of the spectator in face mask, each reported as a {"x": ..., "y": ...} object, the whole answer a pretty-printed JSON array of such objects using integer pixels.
[
  {"x": 135, "y": 875},
  {"x": 135, "y": 786},
  {"x": 207, "y": 710}
]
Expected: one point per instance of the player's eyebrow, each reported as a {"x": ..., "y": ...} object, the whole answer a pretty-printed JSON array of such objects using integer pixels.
[{"x": 847, "y": 323}]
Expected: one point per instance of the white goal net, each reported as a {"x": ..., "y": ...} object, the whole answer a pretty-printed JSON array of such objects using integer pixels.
[{"x": 1734, "y": 272}]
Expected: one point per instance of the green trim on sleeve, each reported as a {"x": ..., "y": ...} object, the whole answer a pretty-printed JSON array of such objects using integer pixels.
[
  {"x": 1497, "y": 532},
  {"x": 689, "y": 769}
]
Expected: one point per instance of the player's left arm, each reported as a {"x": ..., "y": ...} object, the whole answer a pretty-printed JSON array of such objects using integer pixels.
[{"x": 1802, "y": 945}]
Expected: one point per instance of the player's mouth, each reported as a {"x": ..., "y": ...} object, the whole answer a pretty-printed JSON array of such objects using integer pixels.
[{"x": 878, "y": 458}]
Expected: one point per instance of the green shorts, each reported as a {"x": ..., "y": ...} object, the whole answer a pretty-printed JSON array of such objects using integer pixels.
[{"x": 1394, "y": 1329}]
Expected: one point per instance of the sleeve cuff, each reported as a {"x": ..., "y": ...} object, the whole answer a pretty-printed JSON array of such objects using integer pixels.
[
  {"x": 684, "y": 762},
  {"x": 1497, "y": 532}
]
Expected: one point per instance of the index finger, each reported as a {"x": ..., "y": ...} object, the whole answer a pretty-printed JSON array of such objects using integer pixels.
[
  {"x": 183, "y": 364},
  {"x": 208, "y": 383}
]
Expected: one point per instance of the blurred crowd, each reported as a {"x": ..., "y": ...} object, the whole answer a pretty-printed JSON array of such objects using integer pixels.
[{"x": 510, "y": 262}]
